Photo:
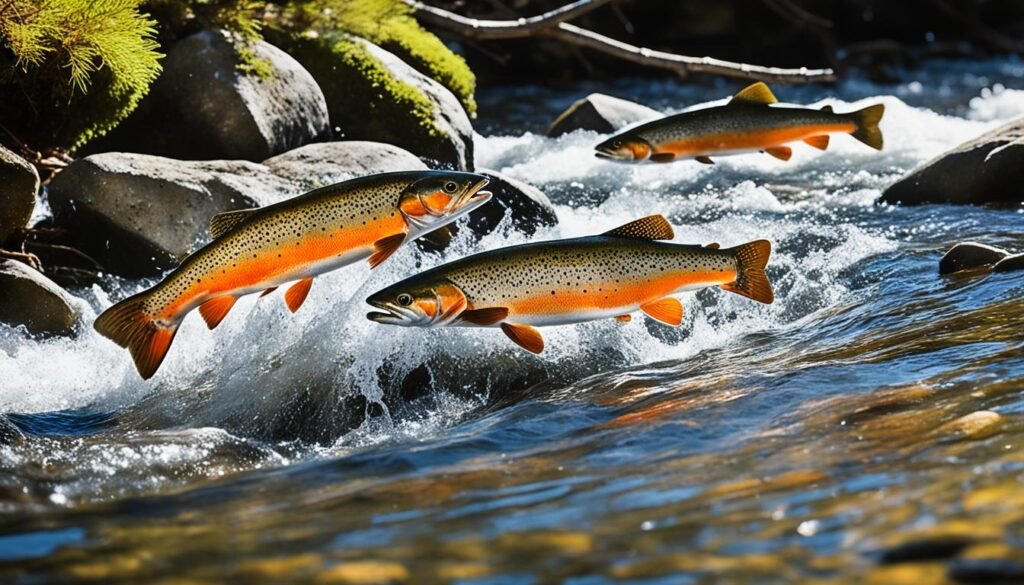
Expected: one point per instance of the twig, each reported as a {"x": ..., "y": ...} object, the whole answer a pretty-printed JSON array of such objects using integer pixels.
[
  {"x": 552, "y": 25},
  {"x": 789, "y": 9}
]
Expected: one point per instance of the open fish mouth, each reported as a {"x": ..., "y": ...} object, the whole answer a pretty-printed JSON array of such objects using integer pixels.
[
  {"x": 390, "y": 314},
  {"x": 605, "y": 155},
  {"x": 474, "y": 196}
]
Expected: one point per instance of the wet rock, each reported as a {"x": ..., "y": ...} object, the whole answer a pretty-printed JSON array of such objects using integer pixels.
[
  {"x": 988, "y": 170},
  {"x": 527, "y": 207},
  {"x": 396, "y": 104},
  {"x": 601, "y": 113},
  {"x": 316, "y": 165},
  {"x": 967, "y": 255},
  {"x": 1015, "y": 262},
  {"x": 203, "y": 107},
  {"x": 19, "y": 183},
  {"x": 364, "y": 573},
  {"x": 138, "y": 215},
  {"x": 977, "y": 425},
  {"x": 28, "y": 298},
  {"x": 925, "y": 549},
  {"x": 987, "y": 571}
]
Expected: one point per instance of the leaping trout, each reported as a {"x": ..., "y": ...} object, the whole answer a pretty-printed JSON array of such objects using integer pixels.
[
  {"x": 570, "y": 281},
  {"x": 292, "y": 241},
  {"x": 746, "y": 124}
]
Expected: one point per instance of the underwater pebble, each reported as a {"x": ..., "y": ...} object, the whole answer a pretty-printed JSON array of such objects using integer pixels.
[{"x": 977, "y": 425}]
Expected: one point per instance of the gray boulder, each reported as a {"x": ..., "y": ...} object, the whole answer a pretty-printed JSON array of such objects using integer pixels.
[
  {"x": 967, "y": 255},
  {"x": 373, "y": 95},
  {"x": 526, "y": 206},
  {"x": 138, "y": 215},
  {"x": 316, "y": 165},
  {"x": 202, "y": 107},
  {"x": 1015, "y": 262},
  {"x": 28, "y": 298},
  {"x": 19, "y": 183},
  {"x": 601, "y": 113},
  {"x": 988, "y": 170}
]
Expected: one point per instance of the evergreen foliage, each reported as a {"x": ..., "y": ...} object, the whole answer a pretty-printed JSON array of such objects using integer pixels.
[{"x": 72, "y": 69}]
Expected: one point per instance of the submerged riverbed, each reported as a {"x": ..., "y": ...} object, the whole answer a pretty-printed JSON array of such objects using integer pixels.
[{"x": 867, "y": 426}]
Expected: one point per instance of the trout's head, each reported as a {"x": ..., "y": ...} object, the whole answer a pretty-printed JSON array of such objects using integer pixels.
[
  {"x": 624, "y": 148},
  {"x": 441, "y": 197},
  {"x": 415, "y": 302}
]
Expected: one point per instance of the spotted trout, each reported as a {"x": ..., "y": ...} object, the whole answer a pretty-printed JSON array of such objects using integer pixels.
[
  {"x": 570, "y": 281},
  {"x": 747, "y": 123},
  {"x": 292, "y": 241}
]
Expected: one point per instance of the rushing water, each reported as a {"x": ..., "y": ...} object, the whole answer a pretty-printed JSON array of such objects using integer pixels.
[{"x": 813, "y": 440}]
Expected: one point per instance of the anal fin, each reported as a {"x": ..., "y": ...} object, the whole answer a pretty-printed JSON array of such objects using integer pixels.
[
  {"x": 624, "y": 318},
  {"x": 780, "y": 152},
  {"x": 667, "y": 310},
  {"x": 296, "y": 294},
  {"x": 214, "y": 310},
  {"x": 819, "y": 142},
  {"x": 268, "y": 291},
  {"x": 524, "y": 336}
]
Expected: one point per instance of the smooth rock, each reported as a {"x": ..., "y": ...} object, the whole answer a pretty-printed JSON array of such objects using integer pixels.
[
  {"x": 986, "y": 571},
  {"x": 526, "y": 206},
  {"x": 968, "y": 255},
  {"x": 1015, "y": 262},
  {"x": 316, "y": 165},
  {"x": 988, "y": 170},
  {"x": 356, "y": 76},
  {"x": 601, "y": 113},
  {"x": 364, "y": 573},
  {"x": 28, "y": 298},
  {"x": 202, "y": 107},
  {"x": 977, "y": 425},
  {"x": 19, "y": 183},
  {"x": 138, "y": 215}
]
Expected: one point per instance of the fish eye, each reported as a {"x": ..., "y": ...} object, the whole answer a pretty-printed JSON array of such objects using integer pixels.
[
  {"x": 450, "y": 186},
  {"x": 617, "y": 144},
  {"x": 405, "y": 299}
]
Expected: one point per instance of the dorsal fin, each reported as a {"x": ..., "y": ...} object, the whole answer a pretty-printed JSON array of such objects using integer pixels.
[
  {"x": 652, "y": 227},
  {"x": 222, "y": 222},
  {"x": 827, "y": 109},
  {"x": 757, "y": 94}
]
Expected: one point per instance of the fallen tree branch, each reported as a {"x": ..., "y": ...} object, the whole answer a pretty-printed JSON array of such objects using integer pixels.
[{"x": 553, "y": 25}]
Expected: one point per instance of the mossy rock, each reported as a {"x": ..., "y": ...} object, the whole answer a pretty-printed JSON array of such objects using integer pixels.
[{"x": 373, "y": 95}]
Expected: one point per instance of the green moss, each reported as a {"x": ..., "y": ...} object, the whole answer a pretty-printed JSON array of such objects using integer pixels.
[
  {"x": 389, "y": 24},
  {"x": 70, "y": 70}
]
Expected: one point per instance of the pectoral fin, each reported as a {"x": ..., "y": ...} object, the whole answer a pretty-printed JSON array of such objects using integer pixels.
[
  {"x": 819, "y": 142},
  {"x": 667, "y": 310},
  {"x": 439, "y": 238},
  {"x": 705, "y": 159},
  {"x": 525, "y": 336},
  {"x": 296, "y": 294},
  {"x": 384, "y": 248},
  {"x": 484, "y": 317},
  {"x": 214, "y": 310},
  {"x": 780, "y": 152}
]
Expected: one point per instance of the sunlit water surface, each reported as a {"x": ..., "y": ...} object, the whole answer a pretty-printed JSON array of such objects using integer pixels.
[{"x": 813, "y": 440}]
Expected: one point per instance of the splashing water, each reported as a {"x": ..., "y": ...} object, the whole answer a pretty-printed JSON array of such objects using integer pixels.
[{"x": 755, "y": 440}]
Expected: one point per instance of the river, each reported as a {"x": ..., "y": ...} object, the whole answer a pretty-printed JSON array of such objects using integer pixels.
[{"x": 819, "y": 439}]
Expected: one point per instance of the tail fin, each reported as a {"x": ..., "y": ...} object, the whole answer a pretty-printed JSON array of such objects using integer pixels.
[
  {"x": 128, "y": 325},
  {"x": 751, "y": 280},
  {"x": 867, "y": 125}
]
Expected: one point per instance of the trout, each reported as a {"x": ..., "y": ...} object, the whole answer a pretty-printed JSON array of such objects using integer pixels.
[
  {"x": 746, "y": 124},
  {"x": 292, "y": 241},
  {"x": 570, "y": 281}
]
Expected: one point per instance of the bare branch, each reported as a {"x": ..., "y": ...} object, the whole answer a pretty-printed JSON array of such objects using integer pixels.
[
  {"x": 552, "y": 25},
  {"x": 475, "y": 28}
]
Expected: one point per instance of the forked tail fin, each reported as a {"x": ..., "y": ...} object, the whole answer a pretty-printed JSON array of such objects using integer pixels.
[
  {"x": 128, "y": 325},
  {"x": 751, "y": 280},
  {"x": 867, "y": 125}
]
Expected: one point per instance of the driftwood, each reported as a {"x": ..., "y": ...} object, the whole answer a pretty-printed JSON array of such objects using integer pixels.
[{"x": 554, "y": 25}]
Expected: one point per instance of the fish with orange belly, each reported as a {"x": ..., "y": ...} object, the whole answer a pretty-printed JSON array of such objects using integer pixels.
[
  {"x": 292, "y": 241},
  {"x": 570, "y": 281},
  {"x": 746, "y": 124}
]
